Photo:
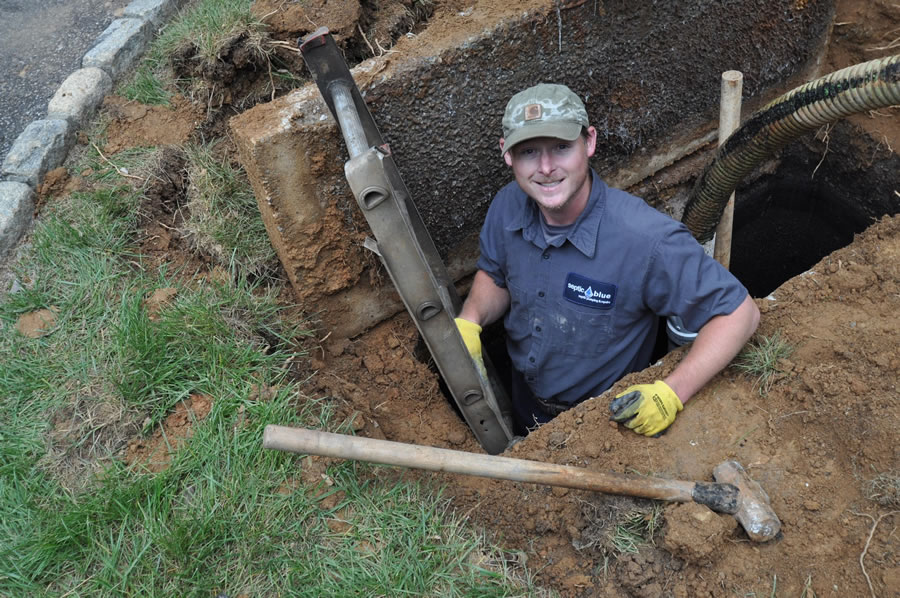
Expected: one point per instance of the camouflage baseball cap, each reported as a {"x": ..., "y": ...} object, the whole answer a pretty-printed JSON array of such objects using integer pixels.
[{"x": 545, "y": 110}]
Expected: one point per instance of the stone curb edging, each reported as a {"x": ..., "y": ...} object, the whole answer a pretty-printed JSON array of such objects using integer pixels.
[{"x": 45, "y": 144}]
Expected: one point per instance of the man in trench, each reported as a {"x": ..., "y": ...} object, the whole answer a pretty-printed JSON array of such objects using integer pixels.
[{"x": 581, "y": 274}]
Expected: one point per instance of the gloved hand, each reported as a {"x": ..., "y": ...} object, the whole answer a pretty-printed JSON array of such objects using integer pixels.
[
  {"x": 471, "y": 335},
  {"x": 647, "y": 409}
]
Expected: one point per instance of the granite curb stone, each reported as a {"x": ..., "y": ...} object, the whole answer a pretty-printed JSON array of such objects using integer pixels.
[
  {"x": 155, "y": 11},
  {"x": 42, "y": 146},
  {"x": 16, "y": 212},
  {"x": 119, "y": 47},
  {"x": 79, "y": 95}
]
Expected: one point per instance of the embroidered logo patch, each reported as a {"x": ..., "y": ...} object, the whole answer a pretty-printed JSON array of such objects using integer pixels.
[
  {"x": 533, "y": 111},
  {"x": 592, "y": 293}
]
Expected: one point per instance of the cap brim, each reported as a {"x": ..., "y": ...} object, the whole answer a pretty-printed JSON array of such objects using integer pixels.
[{"x": 568, "y": 131}]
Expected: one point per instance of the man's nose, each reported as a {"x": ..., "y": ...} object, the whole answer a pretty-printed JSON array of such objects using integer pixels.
[{"x": 545, "y": 164}]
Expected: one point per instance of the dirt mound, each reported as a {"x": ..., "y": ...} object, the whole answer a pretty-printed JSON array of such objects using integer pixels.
[{"x": 813, "y": 441}]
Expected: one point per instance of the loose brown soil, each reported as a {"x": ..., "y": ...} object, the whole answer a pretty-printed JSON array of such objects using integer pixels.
[
  {"x": 815, "y": 441},
  {"x": 155, "y": 452}
]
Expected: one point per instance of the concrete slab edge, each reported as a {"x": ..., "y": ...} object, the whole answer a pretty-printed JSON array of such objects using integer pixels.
[{"x": 44, "y": 144}]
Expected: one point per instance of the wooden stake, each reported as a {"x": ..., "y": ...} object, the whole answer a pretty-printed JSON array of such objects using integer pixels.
[{"x": 729, "y": 120}]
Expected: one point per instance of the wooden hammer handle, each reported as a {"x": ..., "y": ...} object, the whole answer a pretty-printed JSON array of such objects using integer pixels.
[{"x": 313, "y": 442}]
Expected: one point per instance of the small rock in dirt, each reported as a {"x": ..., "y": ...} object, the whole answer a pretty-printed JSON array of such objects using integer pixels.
[
  {"x": 811, "y": 505},
  {"x": 696, "y": 534},
  {"x": 542, "y": 526},
  {"x": 37, "y": 323},
  {"x": 557, "y": 439},
  {"x": 373, "y": 363},
  {"x": 456, "y": 436},
  {"x": 891, "y": 578},
  {"x": 577, "y": 580},
  {"x": 356, "y": 421},
  {"x": 337, "y": 347}
]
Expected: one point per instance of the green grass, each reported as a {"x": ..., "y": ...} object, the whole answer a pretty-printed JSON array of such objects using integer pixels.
[
  {"x": 129, "y": 162},
  {"x": 619, "y": 525},
  {"x": 760, "y": 360},
  {"x": 636, "y": 528},
  {"x": 148, "y": 85},
  {"x": 224, "y": 219},
  {"x": 206, "y": 27},
  {"x": 225, "y": 516}
]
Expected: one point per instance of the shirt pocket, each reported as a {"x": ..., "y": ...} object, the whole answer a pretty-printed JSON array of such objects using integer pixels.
[{"x": 579, "y": 331}]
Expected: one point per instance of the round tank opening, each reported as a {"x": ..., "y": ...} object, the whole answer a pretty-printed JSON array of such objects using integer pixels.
[{"x": 785, "y": 225}]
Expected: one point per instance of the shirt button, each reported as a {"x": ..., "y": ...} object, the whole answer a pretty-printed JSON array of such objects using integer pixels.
[
  {"x": 531, "y": 359},
  {"x": 546, "y": 256},
  {"x": 537, "y": 328},
  {"x": 531, "y": 378},
  {"x": 540, "y": 293}
]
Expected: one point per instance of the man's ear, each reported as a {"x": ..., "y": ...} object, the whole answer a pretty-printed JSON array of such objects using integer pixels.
[
  {"x": 591, "y": 141},
  {"x": 506, "y": 156}
]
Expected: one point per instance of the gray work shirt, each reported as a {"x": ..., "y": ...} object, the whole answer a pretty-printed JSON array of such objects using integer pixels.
[{"x": 586, "y": 313}]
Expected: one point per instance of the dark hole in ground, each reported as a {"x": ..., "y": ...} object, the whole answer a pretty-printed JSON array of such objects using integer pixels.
[
  {"x": 817, "y": 197},
  {"x": 785, "y": 227}
]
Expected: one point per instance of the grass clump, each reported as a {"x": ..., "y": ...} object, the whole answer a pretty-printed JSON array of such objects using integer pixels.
[
  {"x": 620, "y": 525},
  {"x": 148, "y": 85},
  {"x": 635, "y": 528},
  {"x": 202, "y": 32},
  {"x": 224, "y": 220},
  {"x": 760, "y": 359},
  {"x": 208, "y": 26},
  {"x": 884, "y": 489}
]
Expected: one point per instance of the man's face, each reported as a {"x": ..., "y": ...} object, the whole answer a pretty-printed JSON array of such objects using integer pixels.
[{"x": 554, "y": 173}]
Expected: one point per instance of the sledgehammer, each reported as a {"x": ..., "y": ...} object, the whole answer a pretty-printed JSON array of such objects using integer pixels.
[{"x": 734, "y": 492}]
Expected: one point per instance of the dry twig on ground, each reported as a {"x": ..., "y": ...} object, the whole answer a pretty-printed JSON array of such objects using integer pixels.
[{"x": 862, "y": 555}]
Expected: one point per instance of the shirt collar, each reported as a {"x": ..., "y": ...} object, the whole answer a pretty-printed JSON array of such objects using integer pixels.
[{"x": 583, "y": 235}]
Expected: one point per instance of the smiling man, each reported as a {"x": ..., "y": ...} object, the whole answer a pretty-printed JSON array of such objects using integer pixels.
[{"x": 581, "y": 273}]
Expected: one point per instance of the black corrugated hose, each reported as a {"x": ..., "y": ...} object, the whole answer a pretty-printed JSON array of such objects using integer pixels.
[{"x": 858, "y": 88}]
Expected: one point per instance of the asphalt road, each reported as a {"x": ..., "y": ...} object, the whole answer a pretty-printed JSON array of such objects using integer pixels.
[{"x": 41, "y": 43}]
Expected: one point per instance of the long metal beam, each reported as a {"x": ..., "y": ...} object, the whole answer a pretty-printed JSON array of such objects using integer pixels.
[{"x": 405, "y": 247}]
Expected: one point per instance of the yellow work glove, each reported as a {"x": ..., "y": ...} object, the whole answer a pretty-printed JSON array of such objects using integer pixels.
[
  {"x": 471, "y": 335},
  {"x": 647, "y": 409}
]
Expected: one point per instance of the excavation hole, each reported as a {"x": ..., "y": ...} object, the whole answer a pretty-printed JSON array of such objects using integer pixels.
[
  {"x": 817, "y": 197},
  {"x": 785, "y": 228}
]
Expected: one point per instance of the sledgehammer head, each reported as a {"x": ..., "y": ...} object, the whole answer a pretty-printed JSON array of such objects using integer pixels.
[{"x": 754, "y": 511}]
